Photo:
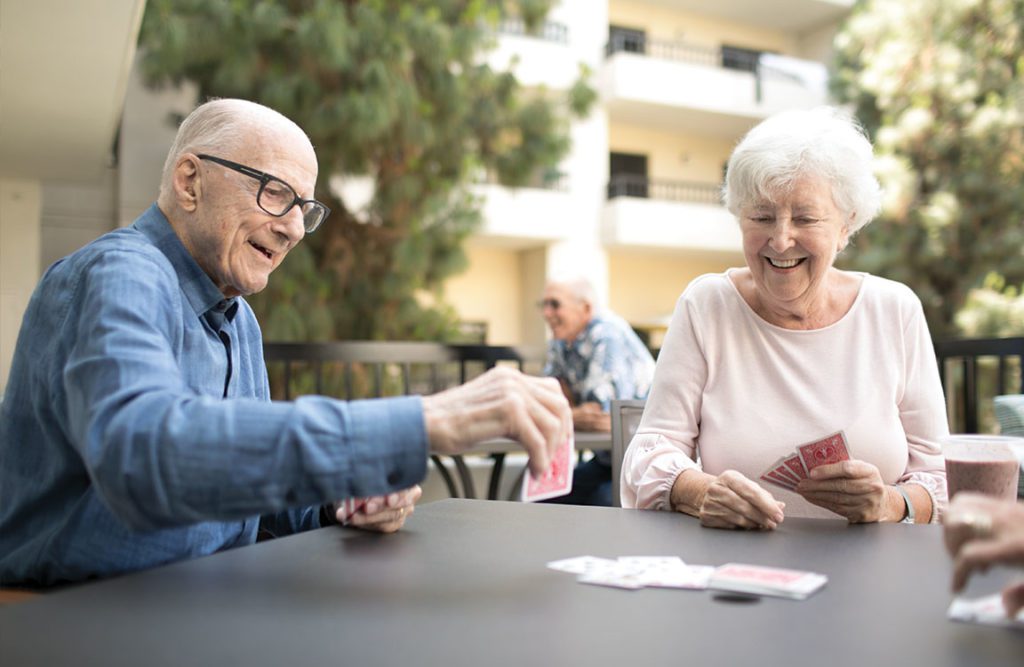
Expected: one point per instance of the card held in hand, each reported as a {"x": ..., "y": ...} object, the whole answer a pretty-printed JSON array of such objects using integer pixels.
[
  {"x": 830, "y": 449},
  {"x": 557, "y": 481}
]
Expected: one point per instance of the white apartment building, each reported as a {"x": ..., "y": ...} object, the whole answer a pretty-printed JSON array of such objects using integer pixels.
[{"x": 635, "y": 206}]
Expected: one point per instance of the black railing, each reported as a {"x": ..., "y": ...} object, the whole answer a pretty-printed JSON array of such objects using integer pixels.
[
  {"x": 694, "y": 54},
  {"x": 549, "y": 31},
  {"x": 364, "y": 369},
  {"x": 975, "y": 370},
  {"x": 630, "y": 185}
]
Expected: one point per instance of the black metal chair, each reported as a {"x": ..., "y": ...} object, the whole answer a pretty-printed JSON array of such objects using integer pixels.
[{"x": 973, "y": 371}]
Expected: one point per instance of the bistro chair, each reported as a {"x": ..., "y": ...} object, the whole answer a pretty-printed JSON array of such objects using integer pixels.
[{"x": 625, "y": 420}]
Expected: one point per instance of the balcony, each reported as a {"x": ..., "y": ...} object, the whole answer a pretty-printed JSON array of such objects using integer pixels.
[
  {"x": 543, "y": 58},
  {"x": 643, "y": 213},
  {"x": 675, "y": 85},
  {"x": 527, "y": 216}
]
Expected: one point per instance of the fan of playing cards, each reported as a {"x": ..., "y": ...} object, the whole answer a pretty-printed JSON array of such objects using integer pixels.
[
  {"x": 634, "y": 572},
  {"x": 793, "y": 467}
]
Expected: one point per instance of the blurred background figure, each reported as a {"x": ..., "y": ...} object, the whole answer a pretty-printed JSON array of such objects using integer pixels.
[{"x": 596, "y": 357}]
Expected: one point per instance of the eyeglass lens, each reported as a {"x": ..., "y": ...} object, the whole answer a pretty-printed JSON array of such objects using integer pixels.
[
  {"x": 276, "y": 197},
  {"x": 553, "y": 304}
]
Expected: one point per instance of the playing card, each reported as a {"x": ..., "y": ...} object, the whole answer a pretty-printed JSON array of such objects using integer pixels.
[
  {"x": 581, "y": 564},
  {"x": 831, "y": 449},
  {"x": 618, "y": 575},
  {"x": 694, "y": 577},
  {"x": 773, "y": 477},
  {"x": 795, "y": 466},
  {"x": 759, "y": 580},
  {"x": 986, "y": 610},
  {"x": 783, "y": 471},
  {"x": 557, "y": 481}
]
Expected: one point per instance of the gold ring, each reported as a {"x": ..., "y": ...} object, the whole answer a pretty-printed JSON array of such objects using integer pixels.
[
  {"x": 401, "y": 512},
  {"x": 980, "y": 524}
]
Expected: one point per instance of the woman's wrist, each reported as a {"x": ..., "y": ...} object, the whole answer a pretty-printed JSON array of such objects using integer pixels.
[{"x": 688, "y": 491}]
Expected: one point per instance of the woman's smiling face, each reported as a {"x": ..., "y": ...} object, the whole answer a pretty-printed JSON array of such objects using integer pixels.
[{"x": 790, "y": 243}]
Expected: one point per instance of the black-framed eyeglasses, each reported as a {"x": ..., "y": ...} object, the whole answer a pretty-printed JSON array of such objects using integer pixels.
[
  {"x": 275, "y": 196},
  {"x": 553, "y": 304}
]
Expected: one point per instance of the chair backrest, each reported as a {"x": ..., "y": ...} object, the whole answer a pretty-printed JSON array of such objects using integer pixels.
[
  {"x": 973, "y": 371},
  {"x": 625, "y": 420}
]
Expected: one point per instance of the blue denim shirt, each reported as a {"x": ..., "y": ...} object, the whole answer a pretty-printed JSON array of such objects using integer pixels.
[
  {"x": 137, "y": 429},
  {"x": 607, "y": 360}
]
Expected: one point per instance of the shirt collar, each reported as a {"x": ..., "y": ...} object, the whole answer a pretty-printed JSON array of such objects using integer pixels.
[{"x": 200, "y": 291}]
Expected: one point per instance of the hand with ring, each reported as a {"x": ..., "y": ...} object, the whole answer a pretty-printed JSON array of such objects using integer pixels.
[
  {"x": 383, "y": 514},
  {"x": 979, "y": 532}
]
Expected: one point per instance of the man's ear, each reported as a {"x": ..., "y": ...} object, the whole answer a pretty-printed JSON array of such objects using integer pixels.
[{"x": 186, "y": 182}]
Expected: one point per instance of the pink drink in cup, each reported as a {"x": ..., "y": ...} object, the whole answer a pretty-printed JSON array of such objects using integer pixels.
[{"x": 981, "y": 463}]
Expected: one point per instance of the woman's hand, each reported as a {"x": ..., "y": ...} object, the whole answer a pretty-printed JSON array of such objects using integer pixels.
[
  {"x": 852, "y": 489},
  {"x": 729, "y": 500}
]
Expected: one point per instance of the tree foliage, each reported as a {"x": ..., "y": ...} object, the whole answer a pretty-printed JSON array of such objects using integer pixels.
[
  {"x": 395, "y": 91},
  {"x": 940, "y": 87}
]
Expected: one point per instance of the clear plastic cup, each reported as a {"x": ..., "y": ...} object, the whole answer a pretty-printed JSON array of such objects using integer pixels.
[{"x": 983, "y": 464}]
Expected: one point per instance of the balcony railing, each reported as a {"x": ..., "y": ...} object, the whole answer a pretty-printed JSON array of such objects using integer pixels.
[
  {"x": 549, "y": 31},
  {"x": 629, "y": 185},
  {"x": 694, "y": 54}
]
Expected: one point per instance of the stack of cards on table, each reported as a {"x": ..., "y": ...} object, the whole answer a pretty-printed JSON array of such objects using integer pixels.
[
  {"x": 557, "y": 481},
  {"x": 987, "y": 610},
  {"x": 793, "y": 467},
  {"x": 634, "y": 572},
  {"x": 758, "y": 580}
]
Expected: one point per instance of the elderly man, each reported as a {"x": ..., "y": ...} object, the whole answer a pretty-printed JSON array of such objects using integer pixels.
[
  {"x": 137, "y": 427},
  {"x": 596, "y": 357}
]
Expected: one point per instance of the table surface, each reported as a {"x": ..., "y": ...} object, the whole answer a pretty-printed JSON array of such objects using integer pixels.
[{"x": 465, "y": 583}]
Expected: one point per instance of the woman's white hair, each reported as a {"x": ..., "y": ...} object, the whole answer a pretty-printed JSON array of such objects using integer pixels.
[
  {"x": 220, "y": 126},
  {"x": 824, "y": 143}
]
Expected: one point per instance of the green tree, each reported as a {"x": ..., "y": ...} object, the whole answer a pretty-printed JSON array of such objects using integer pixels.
[
  {"x": 940, "y": 87},
  {"x": 392, "y": 90}
]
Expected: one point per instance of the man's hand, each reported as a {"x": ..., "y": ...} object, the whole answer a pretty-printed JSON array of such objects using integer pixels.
[
  {"x": 500, "y": 403},
  {"x": 383, "y": 514},
  {"x": 589, "y": 417},
  {"x": 981, "y": 532}
]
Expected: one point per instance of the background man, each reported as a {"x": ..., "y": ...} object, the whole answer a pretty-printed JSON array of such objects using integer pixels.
[
  {"x": 137, "y": 429},
  {"x": 596, "y": 357}
]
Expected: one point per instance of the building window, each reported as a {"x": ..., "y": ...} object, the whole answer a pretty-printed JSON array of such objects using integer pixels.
[{"x": 630, "y": 40}]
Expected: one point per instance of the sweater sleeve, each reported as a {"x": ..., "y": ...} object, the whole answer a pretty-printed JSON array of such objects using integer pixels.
[
  {"x": 922, "y": 411},
  {"x": 665, "y": 443}
]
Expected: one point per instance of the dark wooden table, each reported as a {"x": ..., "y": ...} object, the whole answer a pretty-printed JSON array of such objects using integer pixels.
[{"x": 465, "y": 583}]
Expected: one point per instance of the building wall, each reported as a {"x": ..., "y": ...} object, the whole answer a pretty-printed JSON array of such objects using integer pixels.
[
  {"x": 671, "y": 24},
  {"x": 490, "y": 291},
  {"x": 20, "y": 212},
  {"x": 644, "y": 287},
  {"x": 673, "y": 155}
]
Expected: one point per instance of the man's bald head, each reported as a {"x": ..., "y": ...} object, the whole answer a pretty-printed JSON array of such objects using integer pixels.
[{"x": 221, "y": 127}]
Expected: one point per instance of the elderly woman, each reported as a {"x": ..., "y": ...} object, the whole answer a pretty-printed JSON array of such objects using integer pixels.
[{"x": 789, "y": 350}]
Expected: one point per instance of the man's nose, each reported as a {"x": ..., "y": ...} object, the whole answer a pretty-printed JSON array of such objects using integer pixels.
[{"x": 291, "y": 225}]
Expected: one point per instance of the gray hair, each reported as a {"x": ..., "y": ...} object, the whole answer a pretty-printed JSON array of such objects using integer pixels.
[
  {"x": 824, "y": 143},
  {"x": 580, "y": 288},
  {"x": 218, "y": 126}
]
